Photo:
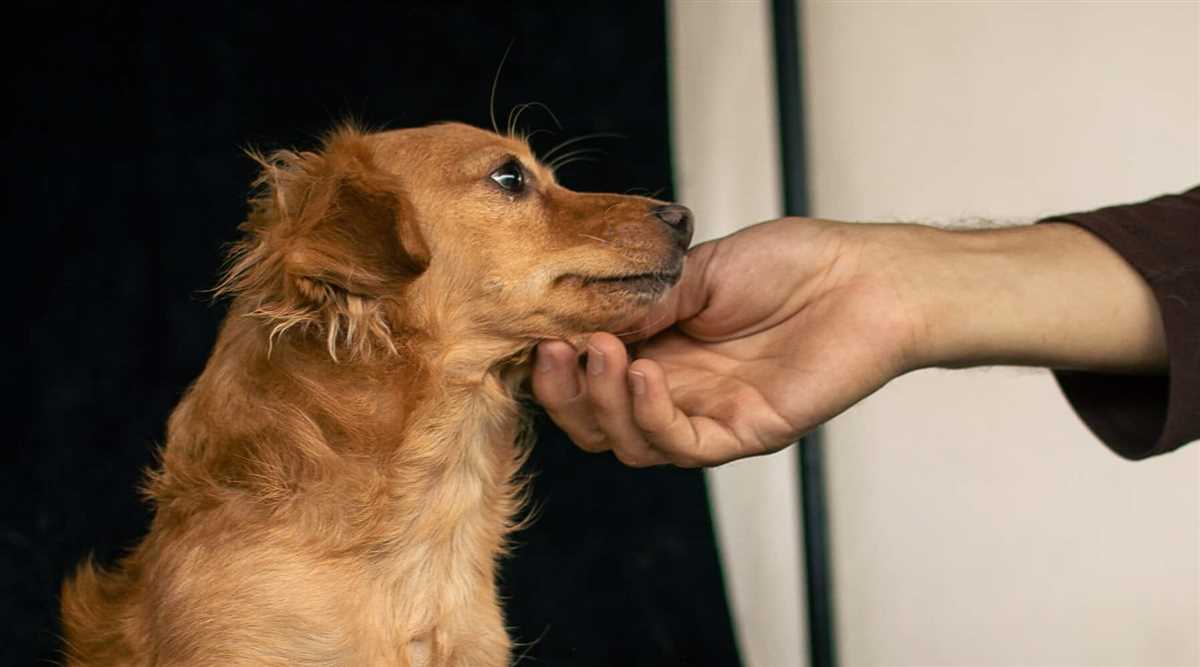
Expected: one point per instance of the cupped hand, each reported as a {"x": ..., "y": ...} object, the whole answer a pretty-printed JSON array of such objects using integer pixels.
[{"x": 771, "y": 331}]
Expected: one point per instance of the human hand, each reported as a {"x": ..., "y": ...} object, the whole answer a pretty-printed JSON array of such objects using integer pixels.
[{"x": 777, "y": 328}]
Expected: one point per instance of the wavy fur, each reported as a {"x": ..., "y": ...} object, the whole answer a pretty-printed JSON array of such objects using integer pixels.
[{"x": 337, "y": 485}]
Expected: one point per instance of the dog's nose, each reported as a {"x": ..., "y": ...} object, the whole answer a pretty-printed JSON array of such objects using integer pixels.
[{"x": 679, "y": 219}]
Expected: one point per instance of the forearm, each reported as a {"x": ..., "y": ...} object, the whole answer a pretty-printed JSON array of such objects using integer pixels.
[{"x": 1049, "y": 295}]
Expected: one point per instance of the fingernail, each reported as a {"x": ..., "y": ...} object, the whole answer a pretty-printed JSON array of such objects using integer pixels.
[
  {"x": 595, "y": 364},
  {"x": 638, "y": 380}
]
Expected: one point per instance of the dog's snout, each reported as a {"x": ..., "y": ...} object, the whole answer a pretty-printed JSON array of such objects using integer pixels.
[{"x": 679, "y": 219}]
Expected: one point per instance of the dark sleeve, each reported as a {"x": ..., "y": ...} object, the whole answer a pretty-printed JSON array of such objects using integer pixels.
[{"x": 1141, "y": 416}]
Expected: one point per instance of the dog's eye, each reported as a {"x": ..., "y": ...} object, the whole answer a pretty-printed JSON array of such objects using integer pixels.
[{"x": 510, "y": 177}]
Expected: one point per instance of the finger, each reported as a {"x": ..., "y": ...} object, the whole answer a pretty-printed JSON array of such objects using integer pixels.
[
  {"x": 685, "y": 441},
  {"x": 554, "y": 379},
  {"x": 558, "y": 386},
  {"x": 608, "y": 394},
  {"x": 692, "y": 292}
]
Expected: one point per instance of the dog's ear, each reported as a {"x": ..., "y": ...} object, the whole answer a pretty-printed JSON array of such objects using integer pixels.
[
  {"x": 349, "y": 223},
  {"x": 329, "y": 237}
]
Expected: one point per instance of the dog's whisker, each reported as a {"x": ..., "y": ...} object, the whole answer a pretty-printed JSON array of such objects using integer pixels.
[
  {"x": 558, "y": 166},
  {"x": 531, "y": 135},
  {"x": 495, "y": 83},
  {"x": 515, "y": 118},
  {"x": 511, "y": 124},
  {"x": 578, "y": 151},
  {"x": 594, "y": 238},
  {"x": 578, "y": 159},
  {"x": 615, "y": 247},
  {"x": 566, "y": 157},
  {"x": 644, "y": 192},
  {"x": 526, "y": 647},
  {"x": 585, "y": 137},
  {"x": 581, "y": 158}
]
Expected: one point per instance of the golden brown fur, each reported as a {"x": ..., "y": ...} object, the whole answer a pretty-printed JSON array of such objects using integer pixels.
[{"x": 337, "y": 485}]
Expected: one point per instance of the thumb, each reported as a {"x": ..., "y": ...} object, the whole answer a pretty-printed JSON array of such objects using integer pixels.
[{"x": 683, "y": 301}]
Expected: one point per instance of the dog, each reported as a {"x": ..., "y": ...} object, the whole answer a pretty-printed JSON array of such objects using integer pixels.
[{"x": 337, "y": 485}]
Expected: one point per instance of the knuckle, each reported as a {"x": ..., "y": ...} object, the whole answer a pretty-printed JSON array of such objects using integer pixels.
[
  {"x": 630, "y": 460},
  {"x": 661, "y": 439},
  {"x": 636, "y": 454},
  {"x": 652, "y": 424},
  {"x": 592, "y": 441},
  {"x": 555, "y": 411},
  {"x": 685, "y": 460},
  {"x": 598, "y": 406}
]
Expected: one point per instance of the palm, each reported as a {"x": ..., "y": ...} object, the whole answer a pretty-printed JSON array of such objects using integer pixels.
[{"x": 756, "y": 368}]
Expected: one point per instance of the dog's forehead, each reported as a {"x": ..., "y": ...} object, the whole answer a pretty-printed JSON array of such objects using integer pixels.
[{"x": 446, "y": 142}]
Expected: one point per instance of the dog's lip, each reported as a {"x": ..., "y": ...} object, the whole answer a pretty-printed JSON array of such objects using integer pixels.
[
  {"x": 668, "y": 273},
  {"x": 669, "y": 276}
]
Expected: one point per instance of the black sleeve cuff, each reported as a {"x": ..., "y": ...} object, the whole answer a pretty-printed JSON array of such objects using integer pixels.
[{"x": 1141, "y": 416}]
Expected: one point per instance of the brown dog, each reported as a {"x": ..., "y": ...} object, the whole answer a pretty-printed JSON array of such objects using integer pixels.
[{"x": 337, "y": 485}]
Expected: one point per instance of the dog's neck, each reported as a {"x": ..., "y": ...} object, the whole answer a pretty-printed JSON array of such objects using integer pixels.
[{"x": 427, "y": 430}]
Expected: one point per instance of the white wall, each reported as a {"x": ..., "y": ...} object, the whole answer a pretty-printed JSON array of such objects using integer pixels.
[
  {"x": 727, "y": 170},
  {"x": 975, "y": 521}
]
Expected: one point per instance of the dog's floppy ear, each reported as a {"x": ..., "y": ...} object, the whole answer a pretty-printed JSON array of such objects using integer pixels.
[
  {"x": 350, "y": 223},
  {"x": 329, "y": 237}
]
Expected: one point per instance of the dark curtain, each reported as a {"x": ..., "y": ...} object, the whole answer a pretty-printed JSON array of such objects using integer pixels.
[{"x": 125, "y": 179}]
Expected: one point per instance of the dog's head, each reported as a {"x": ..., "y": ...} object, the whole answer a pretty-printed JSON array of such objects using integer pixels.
[{"x": 449, "y": 230}]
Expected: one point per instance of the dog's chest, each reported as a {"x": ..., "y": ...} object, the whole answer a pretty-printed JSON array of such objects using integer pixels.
[
  {"x": 448, "y": 528},
  {"x": 420, "y": 575}
]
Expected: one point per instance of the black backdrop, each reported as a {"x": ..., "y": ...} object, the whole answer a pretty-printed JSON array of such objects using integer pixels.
[{"x": 124, "y": 179}]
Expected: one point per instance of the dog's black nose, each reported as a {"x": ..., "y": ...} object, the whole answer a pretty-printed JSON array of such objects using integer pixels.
[{"x": 679, "y": 219}]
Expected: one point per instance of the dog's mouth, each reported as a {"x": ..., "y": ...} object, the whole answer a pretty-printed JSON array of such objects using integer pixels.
[{"x": 643, "y": 284}]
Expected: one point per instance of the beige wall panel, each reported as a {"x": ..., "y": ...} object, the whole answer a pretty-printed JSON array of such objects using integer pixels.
[{"x": 975, "y": 520}]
